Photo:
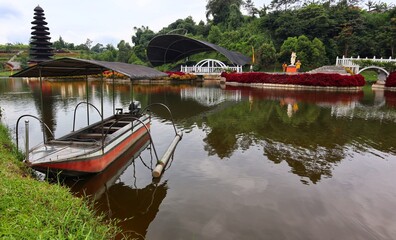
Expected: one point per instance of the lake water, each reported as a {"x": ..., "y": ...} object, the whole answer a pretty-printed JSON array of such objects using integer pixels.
[{"x": 252, "y": 164}]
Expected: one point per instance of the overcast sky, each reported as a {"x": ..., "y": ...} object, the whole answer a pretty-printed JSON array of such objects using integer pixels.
[{"x": 100, "y": 21}]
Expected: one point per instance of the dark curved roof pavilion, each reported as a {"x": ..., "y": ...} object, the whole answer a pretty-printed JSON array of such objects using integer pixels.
[
  {"x": 64, "y": 67},
  {"x": 171, "y": 48}
]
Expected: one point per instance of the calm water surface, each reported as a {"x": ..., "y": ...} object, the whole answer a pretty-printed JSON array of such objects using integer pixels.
[{"x": 252, "y": 164}]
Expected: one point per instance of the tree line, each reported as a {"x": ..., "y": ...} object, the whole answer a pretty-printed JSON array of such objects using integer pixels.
[{"x": 317, "y": 30}]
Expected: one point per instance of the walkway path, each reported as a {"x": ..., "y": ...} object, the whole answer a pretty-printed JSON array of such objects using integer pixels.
[
  {"x": 330, "y": 69},
  {"x": 14, "y": 64}
]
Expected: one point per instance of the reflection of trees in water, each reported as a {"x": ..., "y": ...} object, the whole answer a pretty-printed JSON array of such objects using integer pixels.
[
  {"x": 237, "y": 126},
  {"x": 309, "y": 163},
  {"x": 135, "y": 208},
  {"x": 311, "y": 141}
]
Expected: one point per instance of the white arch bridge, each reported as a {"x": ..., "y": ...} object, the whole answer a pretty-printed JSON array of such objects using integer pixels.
[
  {"x": 353, "y": 64},
  {"x": 209, "y": 67}
]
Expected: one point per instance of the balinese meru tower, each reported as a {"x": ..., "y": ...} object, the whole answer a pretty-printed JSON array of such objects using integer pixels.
[{"x": 40, "y": 46}]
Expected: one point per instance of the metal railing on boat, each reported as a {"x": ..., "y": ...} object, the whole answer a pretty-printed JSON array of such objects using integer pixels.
[
  {"x": 27, "y": 132},
  {"x": 161, "y": 163}
]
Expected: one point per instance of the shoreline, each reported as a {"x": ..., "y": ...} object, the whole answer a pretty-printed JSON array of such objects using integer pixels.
[
  {"x": 295, "y": 87},
  {"x": 44, "y": 209}
]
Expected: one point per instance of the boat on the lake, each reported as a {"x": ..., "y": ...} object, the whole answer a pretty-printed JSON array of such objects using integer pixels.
[{"x": 95, "y": 147}]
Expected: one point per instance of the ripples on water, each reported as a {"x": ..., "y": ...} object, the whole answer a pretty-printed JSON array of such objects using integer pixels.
[{"x": 252, "y": 164}]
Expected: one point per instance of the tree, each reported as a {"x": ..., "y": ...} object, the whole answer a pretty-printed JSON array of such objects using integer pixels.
[
  {"x": 310, "y": 53},
  {"x": 318, "y": 57},
  {"x": 124, "y": 51},
  {"x": 214, "y": 35},
  {"x": 140, "y": 52},
  {"x": 219, "y": 10},
  {"x": 186, "y": 25},
  {"x": 235, "y": 19},
  {"x": 143, "y": 36},
  {"x": 98, "y": 48},
  {"x": 288, "y": 46},
  {"x": 278, "y": 4},
  {"x": 314, "y": 21},
  {"x": 250, "y": 8},
  {"x": 59, "y": 44},
  {"x": 203, "y": 29},
  {"x": 88, "y": 44},
  {"x": 266, "y": 54}
]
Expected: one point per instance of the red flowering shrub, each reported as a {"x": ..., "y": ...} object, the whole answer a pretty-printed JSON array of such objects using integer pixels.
[
  {"x": 316, "y": 79},
  {"x": 391, "y": 80},
  {"x": 117, "y": 75},
  {"x": 181, "y": 75},
  {"x": 174, "y": 73}
]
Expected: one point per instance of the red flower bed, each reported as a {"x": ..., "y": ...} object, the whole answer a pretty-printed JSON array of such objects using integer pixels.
[
  {"x": 174, "y": 73},
  {"x": 316, "y": 79},
  {"x": 391, "y": 80}
]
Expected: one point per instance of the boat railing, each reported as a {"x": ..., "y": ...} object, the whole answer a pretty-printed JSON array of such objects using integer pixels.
[
  {"x": 161, "y": 163},
  {"x": 75, "y": 110},
  {"x": 131, "y": 117},
  {"x": 147, "y": 108},
  {"x": 27, "y": 131}
]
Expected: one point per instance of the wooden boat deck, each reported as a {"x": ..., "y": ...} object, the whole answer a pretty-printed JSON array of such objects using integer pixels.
[{"x": 88, "y": 142}]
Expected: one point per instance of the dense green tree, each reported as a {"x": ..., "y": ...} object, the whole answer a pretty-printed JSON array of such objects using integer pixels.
[
  {"x": 250, "y": 8},
  {"x": 318, "y": 55},
  {"x": 142, "y": 36},
  {"x": 109, "y": 54},
  {"x": 318, "y": 31},
  {"x": 219, "y": 10},
  {"x": 235, "y": 19},
  {"x": 266, "y": 54},
  {"x": 282, "y": 4},
  {"x": 98, "y": 48},
  {"x": 203, "y": 29},
  {"x": 313, "y": 21},
  {"x": 59, "y": 44},
  {"x": 140, "y": 52},
  {"x": 184, "y": 26},
  {"x": 214, "y": 34},
  {"x": 124, "y": 51},
  {"x": 288, "y": 46}
]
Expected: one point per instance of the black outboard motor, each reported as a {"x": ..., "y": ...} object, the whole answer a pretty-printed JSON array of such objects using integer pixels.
[{"x": 134, "y": 108}]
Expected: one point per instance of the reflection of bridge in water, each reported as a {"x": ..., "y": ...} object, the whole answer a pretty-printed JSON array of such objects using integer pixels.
[
  {"x": 210, "y": 96},
  {"x": 376, "y": 112}
]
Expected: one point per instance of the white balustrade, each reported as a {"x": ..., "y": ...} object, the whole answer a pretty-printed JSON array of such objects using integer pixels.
[
  {"x": 349, "y": 62},
  {"x": 209, "y": 67}
]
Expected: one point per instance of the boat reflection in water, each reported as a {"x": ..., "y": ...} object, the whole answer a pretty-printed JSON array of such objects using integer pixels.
[{"x": 135, "y": 208}]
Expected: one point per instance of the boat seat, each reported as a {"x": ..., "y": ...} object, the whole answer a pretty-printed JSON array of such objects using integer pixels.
[
  {"x": 113, "y": 128},
  {"x": 95, "y": 136}
]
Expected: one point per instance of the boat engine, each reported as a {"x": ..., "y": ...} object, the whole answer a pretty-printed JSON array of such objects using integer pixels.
[{"x": 134, "y": 107}]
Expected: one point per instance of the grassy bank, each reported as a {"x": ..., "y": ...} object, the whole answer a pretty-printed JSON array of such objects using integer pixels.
[
  {"x": 31, "y": 209},
  {"x": 370, "y": 76},
  {"x": 5, "y": 73}
]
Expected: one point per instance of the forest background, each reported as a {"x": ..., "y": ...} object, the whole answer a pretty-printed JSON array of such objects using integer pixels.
[{"x": 318, "y": 31}]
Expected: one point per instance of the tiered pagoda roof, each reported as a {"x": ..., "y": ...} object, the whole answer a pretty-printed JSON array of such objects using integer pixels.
[{"x": 40, "y": 45}]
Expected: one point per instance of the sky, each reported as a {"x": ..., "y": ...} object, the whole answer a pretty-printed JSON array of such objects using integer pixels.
[{"x": 101, "y": 21}]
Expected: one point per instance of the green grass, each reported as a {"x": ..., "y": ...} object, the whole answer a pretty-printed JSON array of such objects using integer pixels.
[
  {"x": 32, "y": 209},
  {"x": 5, "y": 73},
  {"x": 370, "y": 76}
]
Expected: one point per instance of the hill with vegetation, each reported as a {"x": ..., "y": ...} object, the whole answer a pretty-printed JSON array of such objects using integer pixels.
[{"x": 318, "y": 31}]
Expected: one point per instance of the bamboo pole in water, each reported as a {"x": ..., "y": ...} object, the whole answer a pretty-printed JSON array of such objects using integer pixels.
[{"x": 165, "y": 159}]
